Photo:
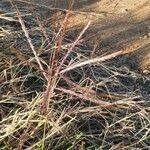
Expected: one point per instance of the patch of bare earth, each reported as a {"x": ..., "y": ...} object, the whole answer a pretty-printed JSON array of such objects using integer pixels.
[{"x": 115, "y": 25}]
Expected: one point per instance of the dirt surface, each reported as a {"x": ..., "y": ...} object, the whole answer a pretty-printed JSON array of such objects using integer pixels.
[{"x": 115, "y": 25}]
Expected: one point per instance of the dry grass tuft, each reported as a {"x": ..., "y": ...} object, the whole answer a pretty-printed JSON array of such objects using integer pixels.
[{"x": 52, "y": 96}]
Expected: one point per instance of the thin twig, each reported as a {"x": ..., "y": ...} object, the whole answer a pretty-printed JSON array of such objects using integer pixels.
[
  {"x": 63, "y": 26},
  {"x": 85, "y": 98},
  {"x": 30, "y": 42},
  {"x": 92, "y": 61},
  {"x": 98, "y": 101},
  {"x": 71, "y": 48},
  {"x": 53, "y": 62},
  {"x": 60, "y": 36}
]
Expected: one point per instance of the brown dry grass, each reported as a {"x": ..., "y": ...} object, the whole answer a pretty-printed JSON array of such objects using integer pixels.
[{"x": 54, "y": 95}]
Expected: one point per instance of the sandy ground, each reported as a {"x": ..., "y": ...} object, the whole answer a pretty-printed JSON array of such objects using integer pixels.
[{"x": 116, "y": 25}]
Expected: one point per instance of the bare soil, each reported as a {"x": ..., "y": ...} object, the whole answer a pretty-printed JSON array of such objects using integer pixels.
[{"x": 115, "y": 25}]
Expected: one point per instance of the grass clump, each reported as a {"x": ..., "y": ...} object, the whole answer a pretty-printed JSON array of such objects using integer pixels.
[{"x": 53, "y": 96}]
